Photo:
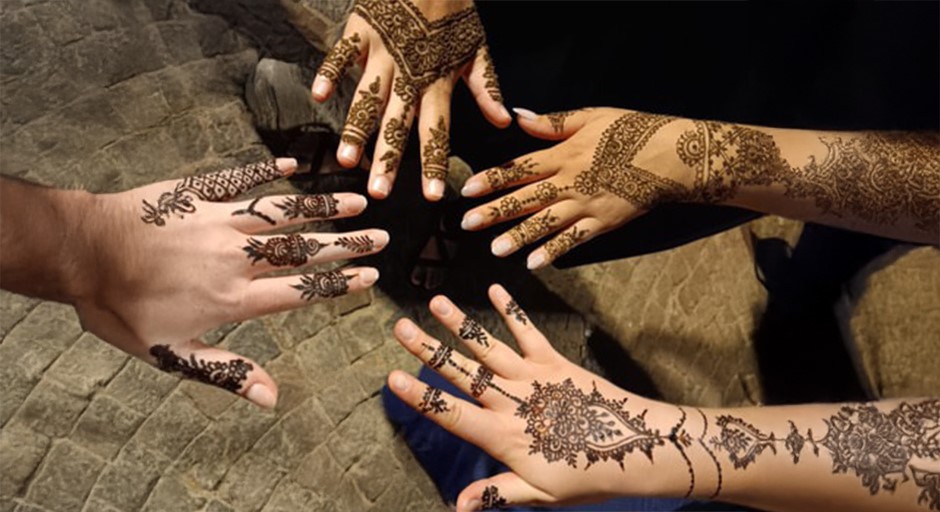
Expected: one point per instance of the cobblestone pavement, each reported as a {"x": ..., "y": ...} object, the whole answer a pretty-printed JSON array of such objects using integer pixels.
[{"x": 111, "y": 94}]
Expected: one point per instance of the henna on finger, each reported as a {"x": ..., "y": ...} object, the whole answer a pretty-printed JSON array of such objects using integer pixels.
[
  {"x": 491, "y": 499},
  {"x": 534, "y": 228},
  {"x": 319, "y": 206},
  {"x": 470, "y": 329},
  {"x": 565, "y": 242},
  {"x": 489, "y": 74},
  {"x": 436, "y": 152},
  {"x": 280, "y": 251},
  {"x": 250, "y": 210},
  {"x": 360, "y": 244},
  {"x": 557, "y": 119},
  {"x": 364, "y": 115},
  {"x": 514, "y": 310},
  {"x": 323, "y": 285},
  {"x": 432, "y": 402},
  {"x": 509, "y": 173},
  {"x": 343, "y": 54},
  {"x": 396, "y": 137},
  {"x": 228, "y": 375}
]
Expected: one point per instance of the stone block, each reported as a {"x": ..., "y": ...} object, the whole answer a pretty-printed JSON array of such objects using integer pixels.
[
  {"x": 13, "y": 308},
  {"x": 252, "y": 339},
  {"x": 172, "y": 426},
  {"x": 210, "y": 400},
  {"x": 289, "y": 497},
  {"x": 23, "y": 450},
  {"x": 322, "y": 356},
  {"x": 105, "y": 426},
  {"x": 292, "y": 327},
  {"x": 138, "y": 103},
  {"x": 376, "y": 472},
  {"x": 65, "y": 479},
  {"x": 341, "y": 397},
  {"x": 218, "y": 506},
  {"x": 365, "y": 430},
  {"x": 250, "y": 482},
  {"x": 126, "y": 483},
  {"x": 140, "y": 386},
  {"x": 172, "y": 493},
  {"x": 361, "y": 333},
  {"x": 87, "y": 365},
  {"x": 348, "y": 498},
  {"x": 295, "y": 435},
  {"x": 52, "y": 325},
  {"x": 50, "y": 409},
  {"x": 318, "y": 471},
  {"x": 180, "y": 39}
]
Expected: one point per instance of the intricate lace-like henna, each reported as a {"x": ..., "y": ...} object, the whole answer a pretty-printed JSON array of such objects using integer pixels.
[
  {"x": 534, "y": 228},
  {"x": 396, "y": 136},
  {"x": 701, "y": 442},
  {"x": 324, "y": 285},
  {"x": 364, "y": 115},
  {"x": 424, "y": 50},
  {"x": 509, "y": 173},
  {"x": 432, "y": 402},
  {"x": 565, "y": 242},
  {"x": 489, "y": 74},
  {"x": 343, "y": 54},
  {"x": 215, "y": 186},
  {"x": 436, "y": 152},
  {"x": 470, "y": 329},
  {"x": 250, "y": 210},
  {"x": 509, "y": 206},
  {"x": 280, "y": 251},
  {"x": 358, "y": 244},
  {"x": 558, "y": 119},
  {"x": 929, "y": 482},
  {"x": 491, "y": 498},
  {"x": 682, "y": 440},
  {"x": 513, "y": 310},
  {"x": 229, "y": 375},
  {"x": 440, "y": 357},
  {"x": 320, "y": 206},
  {"x": 481, "y": 381},
  {"x": 743, "y": 441}
]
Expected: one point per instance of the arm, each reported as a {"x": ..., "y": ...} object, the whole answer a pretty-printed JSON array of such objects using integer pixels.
[
  {"x": 569, "y": 436},
  {"x": 615, "y": 165}
]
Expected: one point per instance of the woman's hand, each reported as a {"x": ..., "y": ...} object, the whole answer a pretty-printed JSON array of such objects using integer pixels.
[
  {"x": 169, "y": 261},
  {"x": 567, "y": 435},
  {"x": 612, "y": 166},
  {"x": 412, "y": 53}
]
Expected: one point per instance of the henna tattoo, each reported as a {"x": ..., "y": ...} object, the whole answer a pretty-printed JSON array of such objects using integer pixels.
[
  {"x": 509, "y": 206},
  {"x": 216, "y": 186},
  {"x": 682, "y": 440},
  {"x": 432, "y": 402},
  {"x": 558, "y": 119},
  {"x": 930, "y": 484},
  {"x": 514, "y": 310},
  {"x": 509, "y": 173},
  {"x": 424, "y": 51},
  {"x": 711, "y": 454},
  {"x": 324, "y": 285},
  {"x": 795, "y": 442},
  {"x": 288, "y": 250},
  {"x": 440, "y": 357},
  {"x": 343, "y": 54},
  {"x": 229, "y": 375},
  {"x": 320, "y": 206},
  {"x": 364, "y": 115},
  {"x": 436, "y": 152},
  {"x": 396, "y": 136},
  {"x": 489, "y": 74},
  {"x": 565, "y": 242},
  {"x": 491, "y": 499},
  {"x": 250, "y": 210},
  {"x": 533, "y": 228},
  {"x": 481, "y": 381},
  {"x": 361, "y": 244},
  {"x": 470, "y": 329},
  {"x": 743, "y": 441}
]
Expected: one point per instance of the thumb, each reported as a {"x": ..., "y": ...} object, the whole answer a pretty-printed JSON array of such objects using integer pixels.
[
  {"x": 501, "y": 491},
  {"x": 217, "y": 367},
  {"x": 553, "y": 126}
]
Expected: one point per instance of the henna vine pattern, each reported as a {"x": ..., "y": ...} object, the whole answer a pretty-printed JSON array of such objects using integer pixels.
[
  {"x": 489, "y": 74},
  {"x": 228, "y": 375},
  {"x": 514, "y": 310},
  {"x": 396, "y": 136},
  {"x": 533, "y": 228},
  {"x": 929, "y": 482},
  {"x": 341, "y": 56},
  {"x": 491, "y": 498},
  {"x": 470, "y": 329},
  {"x": 482, "y": 380},
  {"x": 217, "y": 186},
  {"x": 288, "y": 250},
  {"x": 320, "y": 206},
  {"x": 432, "y": 402},
  {"x": 711, "y": 454},
  {"x": 436, "y": 152},
  {"x": 509, "y": 173},
  {"x": 565, "y": 241},
  {"x": 250, "y": 210},
  {"x": 557, "y": 119},
  {"x": 358, "y": 244},
  {"x": 364, "y": 115},
  {"x": 324, "y": 285}
]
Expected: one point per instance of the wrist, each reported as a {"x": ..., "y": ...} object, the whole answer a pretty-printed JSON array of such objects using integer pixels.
[{"x": 79, "y": 216}]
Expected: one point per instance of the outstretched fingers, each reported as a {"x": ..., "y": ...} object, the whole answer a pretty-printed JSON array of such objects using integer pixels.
[
  {"x": 344, "y": 54},
  {"x": 534, "y": 345},
  {"x": 274, "y": 212},
  {"x": 483, "y": 83},
  {"x": 274, "y": 294},
  {"x": 487, "y": 349},
  {"x": 268, "y": 253},
  {"x": 552, "y": 126},
  {"x": 501, "y": 491},
  {"x": 519, "y": 171}
]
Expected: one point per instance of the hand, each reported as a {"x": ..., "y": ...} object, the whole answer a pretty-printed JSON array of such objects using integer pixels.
[
  {"x": 412, "y": 52},
  {"x": 567, "y": 435},
  {"x": 170, "y": 262},
  {"x": 612, "y": 166}
]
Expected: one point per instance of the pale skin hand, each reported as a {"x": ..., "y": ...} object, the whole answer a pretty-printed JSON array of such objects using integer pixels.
[
  {"x": 540, "y": 415},
  {"x": 165, "y": 282},
  {"x": 364, "y": 42},
  {"x": 886, "y": 183}
]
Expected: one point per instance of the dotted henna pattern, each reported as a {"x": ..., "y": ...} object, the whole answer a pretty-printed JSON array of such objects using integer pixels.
[
  {"x": 364, "y": 115},
  {"x": 341, "y": 56},
  {"x": 436, "y": 152},
  {"x": 288, "y": 250},
  {"x": 323, "y": 285},
  {"x": 227, "y": 375},
  {"x": 320, "y": 206}
]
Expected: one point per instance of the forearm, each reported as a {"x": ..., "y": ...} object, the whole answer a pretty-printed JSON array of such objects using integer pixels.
[{"x": 44, "y": 241}]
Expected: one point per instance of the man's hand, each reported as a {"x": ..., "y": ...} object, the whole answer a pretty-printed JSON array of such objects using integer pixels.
[{"x": 412, "y": 53}]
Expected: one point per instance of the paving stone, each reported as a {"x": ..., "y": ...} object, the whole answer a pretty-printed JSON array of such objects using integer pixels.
[
  {"x": 295, "y": 435},
  {"x": 210, "y": 400},
  {"x": 13, "y": 308},
  {"x": 87, "y": 364},
  {"x": 294, "y": 386},
  {"x": 289, "y": 497},
  {"x": 96, "y": 505},
  {"x": 340, "y": 398},
  {"x": 141, "y": 386},
  {"x": 322, "y": 356},
  {"x": 28, "y": 507},
  {"x": 376, "y": 472},
  {"x": 250, "y": 482},
  {"x": 105, "y": 426},
  {"x": 54, "y": 326},
  {"x": 252, "y": 339},
  {"x": 65, "y": 478},
  {"x": 171, "y": 493},
  {"x": 218, "y": 506},
  {"x": 23, "y": 450},
  {"x": 295, "y": 326},
  {"x": 348, "y": 498},
  {"x": 172, "y": 426},
  {"x": 373, "y": 368},
  {"x": 406, "y": 497},
  {"x": 363, "y": 431},
  {"x": 126, "y": 483},
  {"x": 50, "y": 409},
  {"x": 318, "y": 471},
  {"x": 360, "y": 333}
]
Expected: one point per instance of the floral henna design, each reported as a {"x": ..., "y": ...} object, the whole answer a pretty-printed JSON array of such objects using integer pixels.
[
  {"x": 250, "y": 210},
  {"x": 396, "y": 136},
  {"x": 432, "y": 402},
  {"x": 229, "y": 375},
  {"x": 557, "y": 119},
  {"x": 216, "y": 186},
  {"x": 534, "y": 228},
  {"x": 491, "y": 498},
  {"x": 364, "y": 115},
  {"x": 323, "y": 285},
  {"x": 361, "y": 244},
  {"x": 489, "y": 74},
  {"x": 481, "y": 381},
  {"x": 280, "y": 251},
  {"x": 321, "y": 206},
  {"x": 565, "y": 242},
  {"x": 509, "y": 173},
  {"x": 341, "y": 56},
  {"x": 929, "y": 482},
  {"x": 742, "y": 441},
  {"x": 470, "y": 329},
  {"x": 514, "y": 310},
  {"x": 436, "y": 152}
]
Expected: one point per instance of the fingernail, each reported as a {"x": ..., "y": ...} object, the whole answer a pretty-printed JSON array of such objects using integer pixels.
[
  {"x": 474, "y": 504},
  {"x": 436, "y": 189},
  {"x": 321, "y": 86},
  {"x": 536, "y": 260},
  {"x": 357, "y": 203},
  {"x": 260, "y": 395},
  {"x": 501, "y": 246},
  {"x": 286, "y": 165},
  {"x": 525, "y": 114},
  {"x": 381, "y": 238},
  {"x": 504, "y": 112},
  {"x": 471, "y": 188},
  {"x": 348, "y": 152},
  {"x": 401, "y": 383},
  {"x": 380, "y": 185},
  {"x": 442, "y": 306},
  {"x": 407, "y": 330},
  {"x": 501, "y": 294},
  {"x": 368, "y": 276},
  {"x": 471, "y": 221}
]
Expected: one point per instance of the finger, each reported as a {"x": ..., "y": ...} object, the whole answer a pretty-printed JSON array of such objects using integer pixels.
[
  {"x": 267, "y": 213},
  {"x": 513, "y": 173},
  {"x": 459, "y": 417},
  {"x": 517, "y": 204},
  {"x": 531, "y": 230},
  {"x": 501, "y": 491},
  {"x": 575, "y": 235},
  {"x": 267, "y": 253},
  {"x": 487, "y": 349},
  {"x": 344, "y": 54},
  {"x": 484, "y": 85},
  {"x": 273, "y": 294},
  {"x": 390, "y": 146},
  {"x": 553, "y": 126},
  {"x": 434, "y": 132},
  {"x": 363, "y": 117},
  {"x": 534, "y": 345},
  {"x": 217, "y": 367}
]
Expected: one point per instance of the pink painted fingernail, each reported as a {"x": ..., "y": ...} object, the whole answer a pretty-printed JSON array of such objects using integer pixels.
[
  {"x": 321, "y": 86},
  {"x": 526, "y": 114},
  {"x": 379, "y": 185},
  {"x": 348, "y": 152},
  {"x": 503, "y": 112},
  {"x": 401, "y": 383},
  {"x": 261, "y": 395},
  {"x": 442, "y": 306},
  {"x": 368, "y": 276},
  {"x": 436, "y": 189},
  {"x": 471, "y": 188},
  {"x": 471, "y": 221},
  {"x": 501, "y": 246},
  {"x": 407, "y": 330},
  {"x": 286, "y": 165},
  {"x": 536, "y": 260},
  {"x": 357, "y": 203}
]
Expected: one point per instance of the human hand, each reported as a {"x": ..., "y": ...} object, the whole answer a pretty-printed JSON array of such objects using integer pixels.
[
  {"x": 612, "y": 166},
  {"x": 412, "y": 52},
  {"x": 567, "y": 435},
  {"x": 171, "y": 261}
]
